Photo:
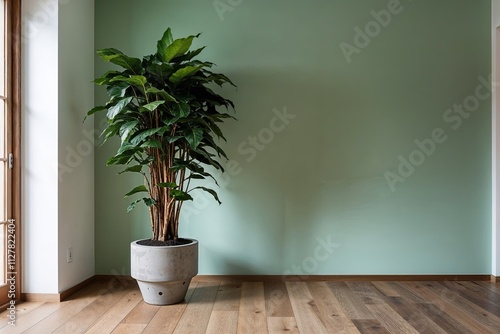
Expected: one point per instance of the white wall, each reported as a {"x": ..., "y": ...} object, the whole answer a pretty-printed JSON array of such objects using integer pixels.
[
  {"x": 76, "y": 151},
  {"x": 496, "y": 137},
  {"x": 58, "y": 209},
  {"x": 40, "y": 135}
]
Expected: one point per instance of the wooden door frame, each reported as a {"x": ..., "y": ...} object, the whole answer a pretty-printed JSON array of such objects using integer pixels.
[
  {"x": 16, "y": 132},
  {"x": 13, "y": 54}
]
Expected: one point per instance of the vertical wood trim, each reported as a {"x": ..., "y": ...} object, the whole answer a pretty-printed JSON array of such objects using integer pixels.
[{"x": 16, "y": 134}]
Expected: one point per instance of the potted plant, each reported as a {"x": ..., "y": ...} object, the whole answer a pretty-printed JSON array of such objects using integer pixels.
[{"x": 166, "y": 116}]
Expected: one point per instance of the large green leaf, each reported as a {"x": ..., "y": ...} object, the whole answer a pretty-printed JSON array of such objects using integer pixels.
[
  {"x": 162, "y": 93},
  {"x": 118, "y": 58},
  {"x": 165, "y": 41},
  {"x": 118, "y": 107},
  {"x": 136, "y": 80},
  {"x": 183, "y": 73},
  {"x": 117, "y": 90},
  {"x": 211, "y": 192},
  {"x": 193, "y": 136},
  {"x": 127, "y": 129},
  {"x": 181, "y": 110},
  {"x": 152, "y": 144},
  {"x": 139, "y": 189},
  {"x": 152, "y": 106},
  {"x": 180, "y": 195},
  {"x": 177, "y": 48},
  {"x": 95, "y": 109},
  {"x": 145, "y": 134},
  {"x": 160, "y": 71},
  {"x": 133, "y": 169},
  {"x": 170, "y": 185},
  {"x": 106, "y": 77}
]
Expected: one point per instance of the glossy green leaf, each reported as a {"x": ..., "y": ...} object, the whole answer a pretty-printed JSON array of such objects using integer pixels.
[
  {"x": 211, "y": 192},
  {"x": 193, "y": 136},
  {"x": 165, "y": 41},
  {"x": 162, "y": 93},
  {"x": 96, "y": 109},
  {"x": 118, "y": 90},
  {"x": 133, "y": 169},
  {"x": 152, "y": 144},
  {"x": 149, "y": 201},
  {"x": 177, "y": 48},
  {"x": 127, "y": 129},
  {"x": 118, "y": 107},
  {"x": 136, "y": 80},
  {"x": 183, "y": 73},
  {"x": 139, "y": 189},
  {"x": 145, "y": 134},
  {"x": 180, "y": 195},
  {"x": 153, "y": 105},
  {"x": 118, "y": 58}
]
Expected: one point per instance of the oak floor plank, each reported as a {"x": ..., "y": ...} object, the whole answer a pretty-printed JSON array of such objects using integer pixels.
[
  {"x": 277, "y": 300},
  {"x": 482, "y": 291},
  {"x": 111, "y": 319},
  {"x": 21, "y": 310},
  {"x": 228, "y": 297},
  {"x": 32, "y": 318},
  {"x": 390, "y": 319},
  {"x": 229, "y": 306},
  {"x": 366, "y": 292},
  {"x": 252, "y": 316},
  {"x": 466, "y": 312},
  {"x": 94, "y": 311},
  {"x": 495, "y": 287},
  {"x": 370, "y": 326},
  {"x": 353, "y": 307},
  {"x": 197, "y": 313},
  {"x": 128, "y": 328},
  {"x": 442, "y": 319},
  {"x": 223, "y": 322},
  {"x": 277, "y": 325},
  {"x": 386, "y": 289},
  {"x": 167, "y": 317},
  {"x": 305, "y": 308},
  {"x": 414, "y": 316},
  {"x": 329, "y": 309},
  {"x": 486, "y": 304},
  {"x": 417, "y": 296},
  {"x": 69, "y": 309},
  {"x": 141, "y": 314}
]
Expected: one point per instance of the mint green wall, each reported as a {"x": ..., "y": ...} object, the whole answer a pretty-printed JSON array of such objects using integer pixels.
[{"x": 322, "y": 178}]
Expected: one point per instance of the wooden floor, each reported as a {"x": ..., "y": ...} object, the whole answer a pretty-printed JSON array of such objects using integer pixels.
[{"x": 272, "y": 307}]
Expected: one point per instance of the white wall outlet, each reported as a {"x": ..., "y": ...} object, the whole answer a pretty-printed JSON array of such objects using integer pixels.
[{"x": 70, "y": 255}]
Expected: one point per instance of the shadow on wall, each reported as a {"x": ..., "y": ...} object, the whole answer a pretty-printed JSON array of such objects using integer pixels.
[{"x": 291, "y": 136}]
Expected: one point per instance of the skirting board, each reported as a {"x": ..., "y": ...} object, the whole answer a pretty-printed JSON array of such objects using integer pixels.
[
  {"x": 339, "y": 278},
  {"x": 316, "y": 278},
  {"x": 56, "y": 297},
  {"x": 495, "y": 279}
]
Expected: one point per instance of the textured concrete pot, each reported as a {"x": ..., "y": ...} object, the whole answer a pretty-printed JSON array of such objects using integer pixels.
[{"x": 164, "y": 272}]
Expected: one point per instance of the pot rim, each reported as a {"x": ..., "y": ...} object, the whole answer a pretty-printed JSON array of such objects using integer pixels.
[{"x": 192, "y": 243}]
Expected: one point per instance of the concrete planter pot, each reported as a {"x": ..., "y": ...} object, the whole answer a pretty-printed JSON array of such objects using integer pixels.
[{"x": 164, "y": 272}]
